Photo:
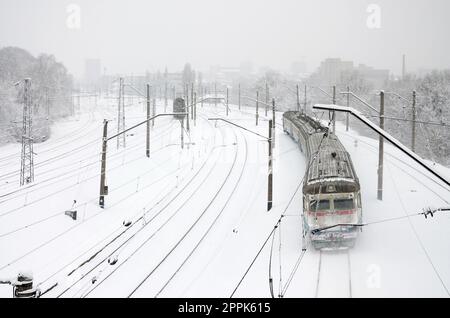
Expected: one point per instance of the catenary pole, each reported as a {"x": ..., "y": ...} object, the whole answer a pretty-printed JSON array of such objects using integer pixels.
[
  {"x": 257, "y": 106},
  {"x": 270, "y": 172},
  {"x": 147, "y": 143},
  {"x": 347, "y": 115},
  {"x": 381, "y": 150},
  {"x": 103, "y": 189},
  {"x": 413, "y": 134}
]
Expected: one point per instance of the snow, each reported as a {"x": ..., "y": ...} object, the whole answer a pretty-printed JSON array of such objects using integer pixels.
[{"x": 198, "y": 215}]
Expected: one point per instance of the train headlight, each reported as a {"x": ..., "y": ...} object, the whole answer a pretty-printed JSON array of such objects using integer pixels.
[{"x": 331, "y": 188}]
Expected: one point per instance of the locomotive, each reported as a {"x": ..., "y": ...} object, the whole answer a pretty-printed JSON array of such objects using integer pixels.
[
  {"x": 331, "y": 189},
  {"x": 179, "y": 106}
]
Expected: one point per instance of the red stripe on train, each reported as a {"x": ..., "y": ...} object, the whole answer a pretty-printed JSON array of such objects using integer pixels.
[{"x": 343, "y": 212}]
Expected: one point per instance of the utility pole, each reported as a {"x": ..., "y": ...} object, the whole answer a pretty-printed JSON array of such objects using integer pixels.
[
  {"x": 381, "y": 149},
  {"x": 227, "y": 101},
  {"x": 147, "y": 148},
  {"x": 305, "y": 99},
  {"x": 121, "y": 114},
  {"x": 270, "y": 170},
  {"x": 27, "y": 160},
  {"x": 192, "y": 100},
  {"x": 165, "y": 96},
  {"x": 195, "y": 109},
  {"x": 270, "y": 175},
  {"x": 413, "y": 138},
  {"x": 187, "y": 111},
  {"x": 267, "y": 98},
  {"x": 333, "y": 114},
  {"x": 273, "y": 122},
  {"x": 387, "y": 137},
  {"x": 166, "y": 75},
  {"x": 187, "y": 94},
  {"x": 72, "y": 110},
  {"x": 298, "y": 100},
  {"x": 257, "y": 106},
  {"x": 154, "y": 110},
  {"x": 182, "y": 132},
  {"x": 103, "y": 187},
  {"x": 123, "y": 110},
  {"x": 347, "y": 118},
  {"x": 239, "y": 96}
]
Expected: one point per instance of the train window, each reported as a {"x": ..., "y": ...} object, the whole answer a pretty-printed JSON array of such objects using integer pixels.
[
  {"x": 322, "y": 206},
  {"x": 343, "y": 204}
]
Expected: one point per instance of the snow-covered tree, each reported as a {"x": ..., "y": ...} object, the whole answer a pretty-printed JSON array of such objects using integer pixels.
[{"x": 51, "y": 88}]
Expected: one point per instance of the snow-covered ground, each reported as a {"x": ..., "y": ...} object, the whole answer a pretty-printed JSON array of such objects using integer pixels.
[{"x": 199, "y": 215}]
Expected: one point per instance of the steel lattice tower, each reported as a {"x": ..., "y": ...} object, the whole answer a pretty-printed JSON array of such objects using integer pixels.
[
  {"x": 121, "y": 115},
  {"x": 27, "y": 164}
]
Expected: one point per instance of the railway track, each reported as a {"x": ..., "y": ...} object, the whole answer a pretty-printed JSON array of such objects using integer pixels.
[
  {"x": 334, "y": 272},
  {"x": 85, "y": 286},
  {"x": 18, "y": 192},
  {"x": 65, "y": 154},
  {"x": 55, "y": 144},
  {"x": 50, "y": 146},
  {"x": 47, "y": 242},
  {"x": 203, "y": 182},
  {"x": 201, "y": 240},
  {"x": 120, "y": 248},
  {"x": 185, "y": 235}
]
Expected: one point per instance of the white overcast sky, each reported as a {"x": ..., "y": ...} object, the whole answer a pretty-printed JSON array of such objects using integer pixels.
[{"x": 135, "y": 35}]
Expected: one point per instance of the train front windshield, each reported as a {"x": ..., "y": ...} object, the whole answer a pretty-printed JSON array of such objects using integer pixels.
[
  {"x": 331, "y": 210},
  {"x": 322, "y": 205},
  {"x": 343, "y": 204}
]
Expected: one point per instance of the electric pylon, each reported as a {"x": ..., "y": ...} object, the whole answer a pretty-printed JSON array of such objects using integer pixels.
[{"x": 26, "y": 158}]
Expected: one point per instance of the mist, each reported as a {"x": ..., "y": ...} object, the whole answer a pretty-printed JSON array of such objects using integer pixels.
[{"x": 135, "y": 35}]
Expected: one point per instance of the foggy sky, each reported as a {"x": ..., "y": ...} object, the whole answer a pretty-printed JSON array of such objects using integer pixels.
[{"x": 130, "y": 36}]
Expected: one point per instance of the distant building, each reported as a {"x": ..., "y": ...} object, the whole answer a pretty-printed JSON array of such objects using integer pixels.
[
  {"x": 333, "y": 71},
  {"x": 376, "y": 77}
]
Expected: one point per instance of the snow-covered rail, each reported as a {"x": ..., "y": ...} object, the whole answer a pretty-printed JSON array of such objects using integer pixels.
[
  {"x": 334, "y": 277},
  {"x": 171, "y": 201},
  {"x": 197, "y": 220},
  {"x": 213, "y": 222}
]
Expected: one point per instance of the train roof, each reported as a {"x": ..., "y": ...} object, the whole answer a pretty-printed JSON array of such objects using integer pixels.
[
  {"x": 304, "y": 122},
  {"x": 332, "y": 163}
]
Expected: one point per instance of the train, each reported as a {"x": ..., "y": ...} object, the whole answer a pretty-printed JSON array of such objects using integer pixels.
[
  {"x": 331, "y": 190},
  {"x": 179, "y": 106}
]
